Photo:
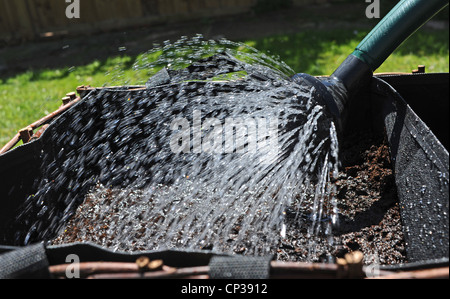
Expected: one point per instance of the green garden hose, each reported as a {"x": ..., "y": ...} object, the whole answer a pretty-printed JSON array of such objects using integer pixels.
[{"x": 402, "y": 21}]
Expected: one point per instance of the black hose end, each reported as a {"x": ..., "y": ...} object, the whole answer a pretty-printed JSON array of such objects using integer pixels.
[
  {"x": 328, "y": 92},
  {"x": 354, "y": 74},
  {"x": 337, "y": 90}
]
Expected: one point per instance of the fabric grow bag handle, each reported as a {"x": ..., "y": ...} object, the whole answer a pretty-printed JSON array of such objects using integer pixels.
[{"x": 402, "y": 21}]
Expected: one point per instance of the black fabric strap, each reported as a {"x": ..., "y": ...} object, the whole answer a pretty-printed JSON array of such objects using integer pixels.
[
  {"x": 28, "y": 262},
  {"x": 239, "y": 267}
]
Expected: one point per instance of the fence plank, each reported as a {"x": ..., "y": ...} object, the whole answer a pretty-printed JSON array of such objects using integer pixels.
[
  {"x": 28, "y": 19},
  {"x": 181, "y": 7},
  {"x": 18, "y": 18}
]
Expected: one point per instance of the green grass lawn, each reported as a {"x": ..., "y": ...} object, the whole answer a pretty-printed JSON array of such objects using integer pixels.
[{"x": 30, "y": 95}]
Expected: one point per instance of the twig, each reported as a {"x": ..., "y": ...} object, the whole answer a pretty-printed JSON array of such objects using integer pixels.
[
  {"x": 89, "y": 268},
  {"x": 437, "y": 273},
  {"x": 38, "y": 124},
  {"x": 165, "y": 273}
]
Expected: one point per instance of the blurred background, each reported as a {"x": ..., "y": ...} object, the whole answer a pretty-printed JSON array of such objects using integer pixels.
[{"x": 44, "y": 54}]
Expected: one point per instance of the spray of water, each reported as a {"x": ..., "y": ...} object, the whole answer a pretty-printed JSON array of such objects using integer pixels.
[{"x": 213, "y": 153}]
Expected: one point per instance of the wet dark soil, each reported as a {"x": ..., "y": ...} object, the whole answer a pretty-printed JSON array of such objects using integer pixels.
[
  {"x": 369, "y": 213},
  {"x": 369, "y": 216}
]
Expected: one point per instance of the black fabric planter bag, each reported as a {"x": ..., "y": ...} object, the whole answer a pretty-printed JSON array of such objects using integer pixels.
[{"x": 420, "y": 161}]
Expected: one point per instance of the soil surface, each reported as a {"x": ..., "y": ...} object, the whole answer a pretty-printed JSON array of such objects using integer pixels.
[
  {"x": 369, "y": 216},
  {"x": 369, "y": 213},
  {"x": 367, "y": 193}
]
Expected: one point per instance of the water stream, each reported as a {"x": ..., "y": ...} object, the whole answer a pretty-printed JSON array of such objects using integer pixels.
[{"x": 213, "y": 153}]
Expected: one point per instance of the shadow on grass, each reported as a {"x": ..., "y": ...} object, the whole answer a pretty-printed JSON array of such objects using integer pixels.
[
  {"x": 309, "y": 51},
  {"x": 64, "y": 55}
]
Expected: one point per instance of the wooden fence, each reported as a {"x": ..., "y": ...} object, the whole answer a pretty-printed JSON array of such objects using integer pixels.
[{"x": 31, "y": 19}]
